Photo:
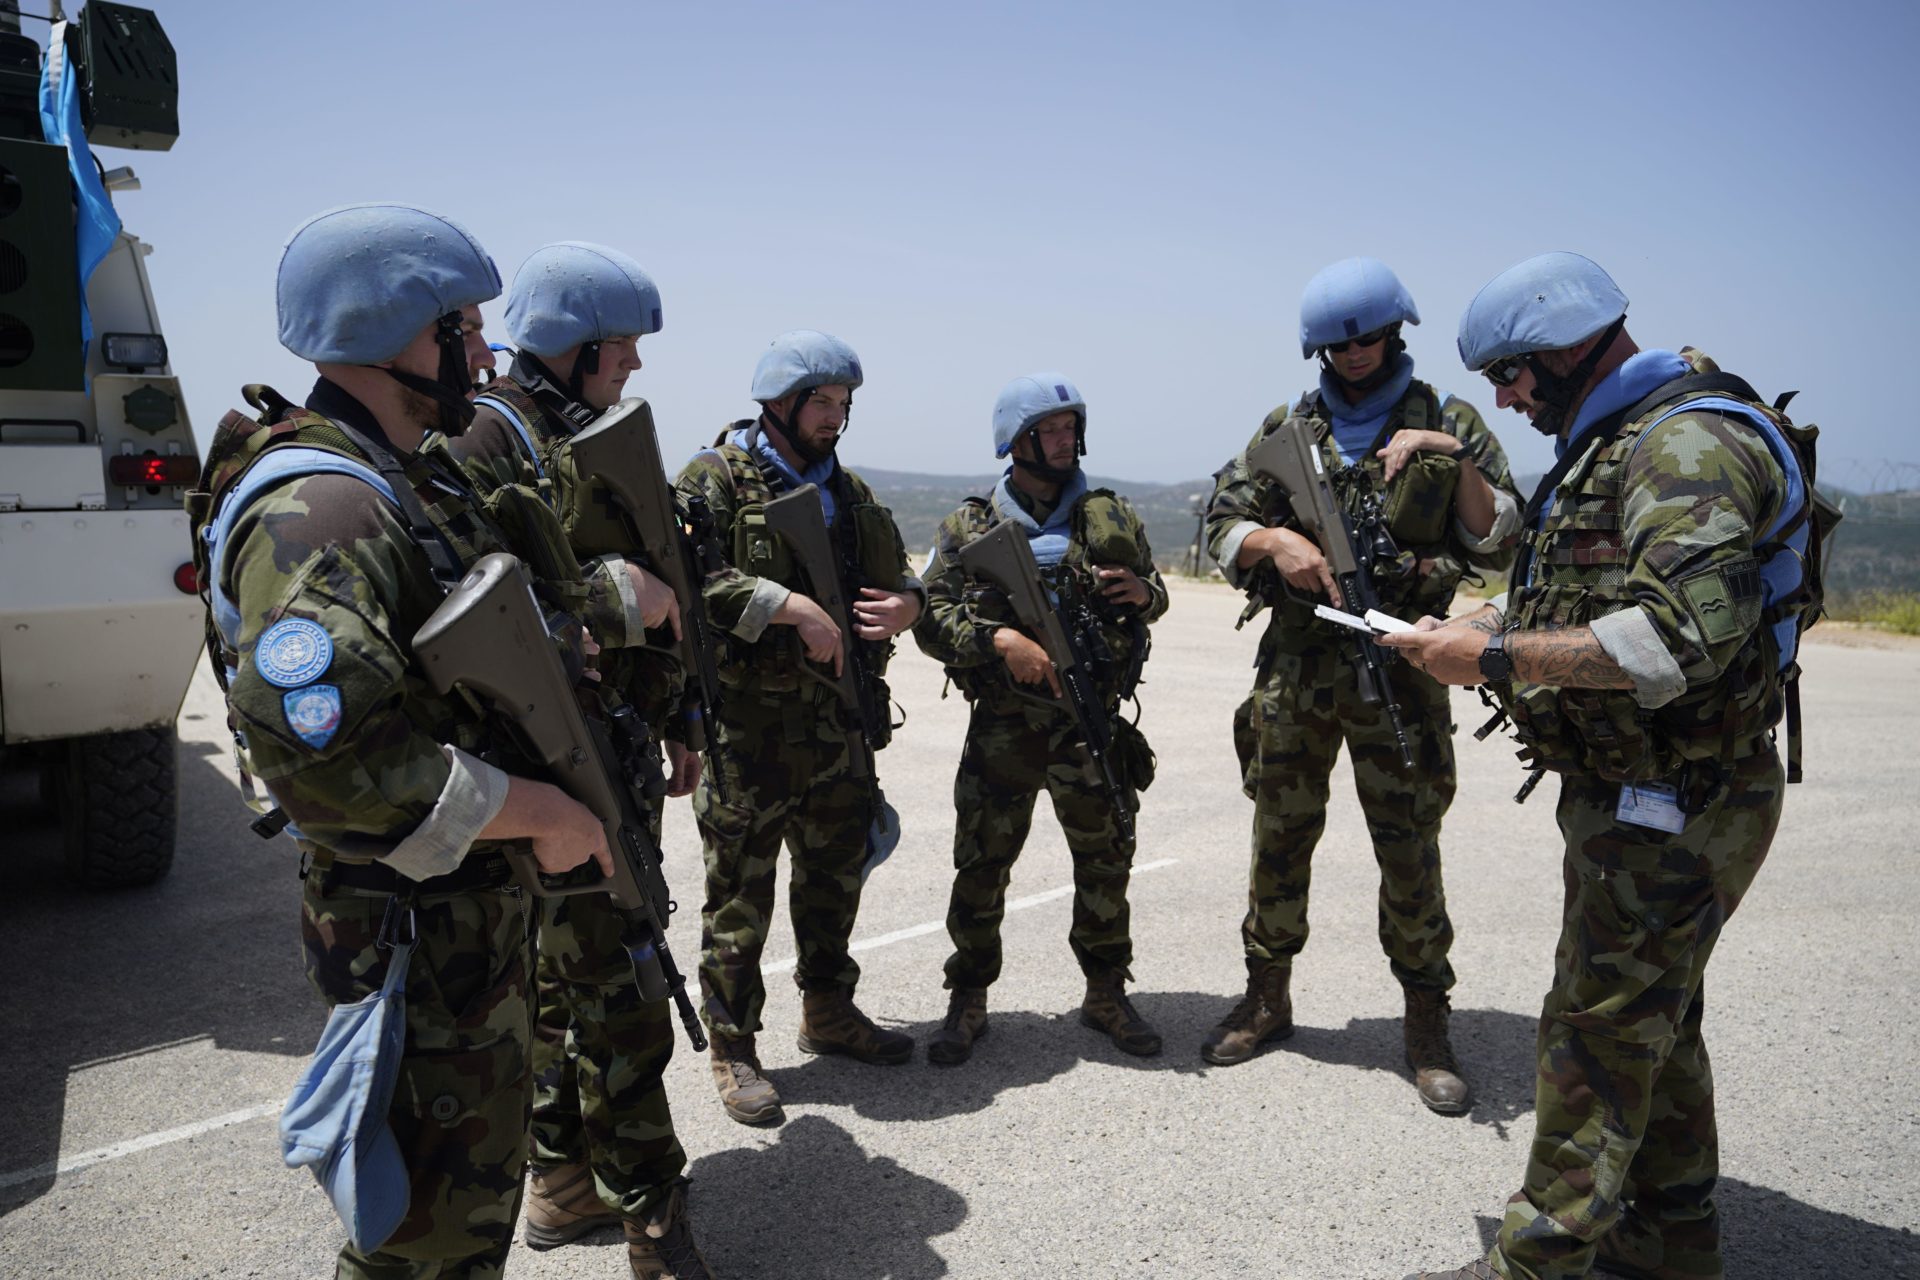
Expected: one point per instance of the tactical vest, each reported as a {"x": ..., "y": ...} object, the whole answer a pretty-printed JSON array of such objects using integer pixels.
[
  {"x": 773, "y": 663},
  {"x": 1572, "y": 568},
  {"x": 1094, "y": 528},
  {"x": 452, "y": 527}
]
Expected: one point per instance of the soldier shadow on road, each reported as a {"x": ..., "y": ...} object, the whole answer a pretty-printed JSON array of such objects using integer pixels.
[
  {"x": 1769, "y": 1235},
  {"x": 1021, "y": 1049},
  {"x": 211, "y": 952}
]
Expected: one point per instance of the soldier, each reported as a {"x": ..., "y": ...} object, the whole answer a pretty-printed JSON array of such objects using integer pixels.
[
  {"x": 328, "y": 535},
  {"x": 1654, "y": 609},
  {"x": 782, "y": 765},
  {"x": 1016, "y": 746},
  {"x": 1449, "y": 510},
  {"x": 603, "y": 1145}
]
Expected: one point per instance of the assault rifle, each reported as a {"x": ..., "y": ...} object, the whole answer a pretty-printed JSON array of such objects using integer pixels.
[
  {"x": 677, "y": 545},
  {"x": 1291, "y": 458},
  {"x": 490, "y": 637},
  {"x": 799, "y": 518},
  {"x": 1067, "y": 629}
]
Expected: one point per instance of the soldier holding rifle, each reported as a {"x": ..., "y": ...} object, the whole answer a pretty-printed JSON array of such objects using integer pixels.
[
  {"x": 816, "y": 586},
  {"x": 1038, "y": 600},
  {"x": 1419, "y": 496},
  {"x": 603, "y": 1146}
]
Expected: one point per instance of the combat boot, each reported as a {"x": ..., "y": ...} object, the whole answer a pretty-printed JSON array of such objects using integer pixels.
[
  {"x": 563, "y": 1205},
  {"x": 660, "y": 1245},
  {"x": 830, "y": 1022},
  {"x": 1264, "y": 1013},
  {"x": 748, "y": 1096},
  {"x": 1634, "y": 1250},
  {"x": 1107, "y": 1009},
  {"x": 1478, "y": 1269},
  {"x": 966, "y": 1022},
  {"x": 1436, "y": 1073}
]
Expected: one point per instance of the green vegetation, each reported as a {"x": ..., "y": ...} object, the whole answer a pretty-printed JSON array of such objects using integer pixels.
[{"x": 1890, "y": 610}]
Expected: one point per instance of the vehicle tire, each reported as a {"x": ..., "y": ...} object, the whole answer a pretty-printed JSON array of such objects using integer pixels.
[{"x": 118, "y": 804}]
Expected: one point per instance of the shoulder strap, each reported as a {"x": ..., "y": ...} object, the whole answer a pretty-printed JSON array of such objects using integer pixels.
[{"x": 500, "y": 398}]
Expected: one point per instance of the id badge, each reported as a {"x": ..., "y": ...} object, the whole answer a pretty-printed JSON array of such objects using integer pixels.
[{"x": 1651, "y": 805}]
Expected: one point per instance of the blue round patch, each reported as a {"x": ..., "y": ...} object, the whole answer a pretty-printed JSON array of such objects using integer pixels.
[{"x": 293, "y": 652}]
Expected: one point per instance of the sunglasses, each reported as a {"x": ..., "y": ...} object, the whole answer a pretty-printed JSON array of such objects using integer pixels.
[
  {"x": 1502, "y": 372},
  {"x": 1364, "y": 340}
]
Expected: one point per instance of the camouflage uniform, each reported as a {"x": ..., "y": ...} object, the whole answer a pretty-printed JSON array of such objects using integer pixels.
[
  {"x": 1306, "y": 700},
  {"x": 1660, "y": 525},
  {"x": 781, "y": 756},
  {"x": 599, "y": 1050},
  {"x": 1015, "y": 746},
  {"x": 386, "y": 796}
]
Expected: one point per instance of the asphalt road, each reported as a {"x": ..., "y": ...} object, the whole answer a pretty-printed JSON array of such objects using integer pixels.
[{"x": 146, "y": 1038}]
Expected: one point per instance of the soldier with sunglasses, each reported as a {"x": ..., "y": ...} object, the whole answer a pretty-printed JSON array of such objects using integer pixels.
[{"x": 1449, "y": 510}]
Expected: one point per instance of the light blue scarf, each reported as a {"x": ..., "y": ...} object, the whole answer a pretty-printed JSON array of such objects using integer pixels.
[
  {"x": 1355, "y": 426},
  {"x": 1639, "y": 376},
  {"x": 817, "y": 474},
  {"x": 1049, "y": 540}
]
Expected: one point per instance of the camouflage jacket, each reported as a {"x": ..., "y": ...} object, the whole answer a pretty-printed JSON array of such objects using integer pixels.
[
  {"x": 760, "y": 573},
  {"x": 495, "y": 452},
  {"x": 1650, "y": 537},
  {"x": 963, "y": 613},
  {"x": 333, "y": 714},
  {"x": 1434, "y": 552}
]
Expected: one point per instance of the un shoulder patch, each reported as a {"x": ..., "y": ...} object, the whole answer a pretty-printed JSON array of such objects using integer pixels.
[
  {"x": 313, "y": 713},
  {"x": 293, "y": 652}
]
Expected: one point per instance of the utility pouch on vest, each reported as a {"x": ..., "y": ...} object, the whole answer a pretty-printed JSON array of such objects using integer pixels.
[
  {"x": 756, "y": 549},
  {"x": 880, "y": 548},
  {"x": 1419, "y": 502},
  {"x": 589, "y": 517}
]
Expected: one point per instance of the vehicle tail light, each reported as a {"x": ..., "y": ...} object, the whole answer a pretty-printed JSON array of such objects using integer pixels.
[
  {"x": 187, "y": 578},
  {"x": 151, "y": 469}
]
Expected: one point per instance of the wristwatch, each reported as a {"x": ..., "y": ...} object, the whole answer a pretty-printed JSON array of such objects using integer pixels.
[{"x": 1496, "y": 664}]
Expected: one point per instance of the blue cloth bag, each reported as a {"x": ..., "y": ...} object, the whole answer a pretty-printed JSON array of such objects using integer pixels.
[{"x": 336, "y": 1121}]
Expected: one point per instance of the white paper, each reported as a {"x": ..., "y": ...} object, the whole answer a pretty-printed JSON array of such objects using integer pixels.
[
  {"x": 1375, "y": 623},
  {"x": 1386, "y": 623}
]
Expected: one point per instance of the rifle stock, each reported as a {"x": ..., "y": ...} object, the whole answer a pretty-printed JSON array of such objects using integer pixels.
[
  {"x": 1003, "y": 557},
  {"x": 490, "y": 637}
]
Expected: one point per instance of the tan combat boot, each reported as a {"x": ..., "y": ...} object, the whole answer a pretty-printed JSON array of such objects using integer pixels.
[
  {"x": 1436, "y": 1073},
  {"x": 966, "y": 1022},
  {"x": 830, "y": 1022},
  {"x": 748, "y": 1096},
  {"x": 1107, "y": 1009},
  {"x": 563, "y": 1205},
  {"x": 1264, "y": 1013},
  {"x": 660, "y": 1245}
]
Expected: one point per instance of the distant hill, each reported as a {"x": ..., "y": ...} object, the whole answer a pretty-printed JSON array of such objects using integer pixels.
[{"x": 920, "y": 502}]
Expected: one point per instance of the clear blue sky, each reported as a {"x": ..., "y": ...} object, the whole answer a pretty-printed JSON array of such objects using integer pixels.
[{"x": 1134, "y": 194}]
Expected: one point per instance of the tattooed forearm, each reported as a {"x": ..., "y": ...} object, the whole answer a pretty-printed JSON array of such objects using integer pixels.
[
  {"x": 1486, "y": 620},
  {"x": 1569, "y": 659}
]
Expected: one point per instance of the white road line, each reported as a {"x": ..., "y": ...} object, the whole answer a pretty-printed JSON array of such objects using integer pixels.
[
  {"x": 100, "y": 1155},
  {"x": 935, "y": 926}
]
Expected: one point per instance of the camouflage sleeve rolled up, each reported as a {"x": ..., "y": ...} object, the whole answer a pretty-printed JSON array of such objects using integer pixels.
[
  {"x": 1699, "y": 490},
  {"x": 340, "y": 727},
  {"x": 1242, "y": 503},
  {"x": 1135, "y": 535},
  {"x": 1494, "y": 552},
  {"x": 955, "y": 629},
  {"x": 736, "y": 602}
]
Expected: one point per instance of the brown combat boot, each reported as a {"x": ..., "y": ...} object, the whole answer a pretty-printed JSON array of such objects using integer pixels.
[
  {"x": 563, "y": 1205},
  {"x": 748, "y": 1096},
  {"x": 966, "y": 1022},
  {"x": 830, "y": 1022},
  {"x": 1107, "y": 1009},
  {"x": 1478, "y": 1269},
  {"x": 1436, "y": 1073},
  {"x": 1264, "y": 1013},
  {"x": 660, "y": 1245}
]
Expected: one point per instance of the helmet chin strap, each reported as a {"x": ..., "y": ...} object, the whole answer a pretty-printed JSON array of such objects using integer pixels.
[
  {"x": 808, "y": 454},
  {"x": 1036, "y": 466},
  {"x": 449, "y": 390},
  {"x": 1555, "y": 393}
]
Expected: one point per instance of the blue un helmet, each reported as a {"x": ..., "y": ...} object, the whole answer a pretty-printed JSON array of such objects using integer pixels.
[
  {"x": 575, "y": 294},
  {"x": 1349, "y": 298},
  {"x": 802, "y": 359},
  {"x": 1547, "y": 303},
  {"x": 358, "y": 283},
  {"x": 1024, "y": 401}
]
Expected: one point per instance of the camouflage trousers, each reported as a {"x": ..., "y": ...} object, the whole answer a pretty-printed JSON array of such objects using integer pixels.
[
  {"x": 787, "y": 774},
  {"x": 1290, "y": 731},
  {"x": 599, "y": 1052},
  {"x": 1008, "y": 758},
  {"x": 1624, "y": 1137},
  {"x": 459, "y": 1107}
]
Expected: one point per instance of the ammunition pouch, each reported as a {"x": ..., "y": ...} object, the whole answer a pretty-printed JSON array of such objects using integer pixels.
[
  {"x": 1418, "y": 508},
  {"x": 1133, "y": 757}
]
